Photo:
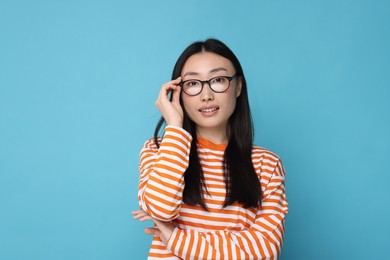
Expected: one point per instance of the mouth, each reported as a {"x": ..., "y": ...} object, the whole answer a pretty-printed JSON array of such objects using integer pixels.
[{"x": 208, "y": 110}]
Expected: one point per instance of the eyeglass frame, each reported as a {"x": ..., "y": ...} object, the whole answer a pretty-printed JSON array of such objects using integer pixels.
[{"x": 202, "y": 82}]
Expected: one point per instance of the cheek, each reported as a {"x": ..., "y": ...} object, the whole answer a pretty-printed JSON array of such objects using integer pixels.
[
  {"x": 233, "y": 98},
  {"x": 184, "y": 102},
  {"x": 187, "y": 105},
  {"x": 232, "y": 103}
]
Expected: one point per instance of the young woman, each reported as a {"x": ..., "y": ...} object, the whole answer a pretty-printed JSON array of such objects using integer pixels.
[{"x": 211, "y": 193}]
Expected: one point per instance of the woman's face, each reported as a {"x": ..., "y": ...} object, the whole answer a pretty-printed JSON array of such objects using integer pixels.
[{"x": 209, "y": 110}]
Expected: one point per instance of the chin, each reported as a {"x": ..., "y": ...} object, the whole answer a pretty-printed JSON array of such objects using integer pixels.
[{"x": 209, "y": 125}]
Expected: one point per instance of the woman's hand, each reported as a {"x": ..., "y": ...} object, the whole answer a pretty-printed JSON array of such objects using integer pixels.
[
  {"x": 163, "y": 229},
  {"x": 171, "y": 110},
  {"x": 141, "y": 215}
]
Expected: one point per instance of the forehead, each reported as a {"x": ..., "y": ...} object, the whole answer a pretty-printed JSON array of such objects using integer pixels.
[{"x": 205, "y": 62}]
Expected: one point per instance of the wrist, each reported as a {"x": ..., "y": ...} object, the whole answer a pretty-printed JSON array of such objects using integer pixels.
[{"x": 177, "y": 124}]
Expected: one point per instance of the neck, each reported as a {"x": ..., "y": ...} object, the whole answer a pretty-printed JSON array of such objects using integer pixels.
[{"x": 217, "y": 136}]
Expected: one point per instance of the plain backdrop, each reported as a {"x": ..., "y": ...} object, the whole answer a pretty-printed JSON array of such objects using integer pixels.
[{"x": 78, "y": 81}]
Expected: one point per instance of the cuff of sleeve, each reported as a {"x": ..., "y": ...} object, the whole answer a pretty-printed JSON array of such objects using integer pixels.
[{"x": 179, "y": 130}]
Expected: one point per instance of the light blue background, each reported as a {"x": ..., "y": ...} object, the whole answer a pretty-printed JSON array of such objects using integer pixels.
[{"x": 78, "y": 83}]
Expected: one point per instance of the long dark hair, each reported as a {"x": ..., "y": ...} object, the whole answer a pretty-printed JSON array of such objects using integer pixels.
[{"x": 241, "y": 181}]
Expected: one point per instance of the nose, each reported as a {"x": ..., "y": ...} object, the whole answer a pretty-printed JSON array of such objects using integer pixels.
[{"x": 207, "y": 94}]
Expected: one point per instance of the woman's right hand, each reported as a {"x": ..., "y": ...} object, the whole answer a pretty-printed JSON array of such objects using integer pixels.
[{"x": 171, "y": 110}]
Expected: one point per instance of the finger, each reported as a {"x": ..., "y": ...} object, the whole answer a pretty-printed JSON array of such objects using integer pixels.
[
  {"x": 152, "y": 231},
  {"x": 137, "y": 211},
  {"x": 140, "y": 214},
  {"x": 176, "y": 95},
  {"x": 177, "y": 80},
  {"x": 174, "y": 81},
  {"x": 165, "y": 90},
  {"x": 136, "y": 216},
  {"x": 142, "y": 219},
  {"x": 171, "y": 85}
]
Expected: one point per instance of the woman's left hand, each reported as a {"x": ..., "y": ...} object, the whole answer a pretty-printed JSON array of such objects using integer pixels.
[{"x": 163, "y": 229}]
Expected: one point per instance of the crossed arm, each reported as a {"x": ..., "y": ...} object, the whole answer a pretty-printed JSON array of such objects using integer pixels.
[{"x": 263, "y": 240}]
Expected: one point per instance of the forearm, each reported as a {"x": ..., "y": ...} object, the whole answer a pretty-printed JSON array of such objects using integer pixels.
[
  {"x": 162, "y": 175},
  {"x": 249, "y": 244}
]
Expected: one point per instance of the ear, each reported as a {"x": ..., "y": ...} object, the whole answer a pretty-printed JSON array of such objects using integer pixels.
[{"x": 239, "y": 86}]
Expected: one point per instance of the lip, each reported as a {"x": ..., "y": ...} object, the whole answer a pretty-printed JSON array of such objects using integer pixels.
[{"x": 209, "y": 110}]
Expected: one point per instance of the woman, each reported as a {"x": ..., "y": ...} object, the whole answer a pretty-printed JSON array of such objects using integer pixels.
[{"x": 211, "y": 193}]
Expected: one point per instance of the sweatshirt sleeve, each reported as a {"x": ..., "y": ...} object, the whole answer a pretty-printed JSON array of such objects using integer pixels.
[
  {"x": 161, "y": 182},
  {"x": 263, "y": 240}
]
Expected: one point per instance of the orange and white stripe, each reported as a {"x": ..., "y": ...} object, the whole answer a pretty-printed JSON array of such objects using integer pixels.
[{"x": 219, "y": 233}]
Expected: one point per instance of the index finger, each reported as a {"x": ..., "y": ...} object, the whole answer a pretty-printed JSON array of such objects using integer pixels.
[{"x": 177, "y": 81}]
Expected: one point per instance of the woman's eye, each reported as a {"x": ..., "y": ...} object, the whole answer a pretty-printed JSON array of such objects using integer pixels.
[
  {"x": 192, "y": 83},
  {"x": 218, "y": 80}
]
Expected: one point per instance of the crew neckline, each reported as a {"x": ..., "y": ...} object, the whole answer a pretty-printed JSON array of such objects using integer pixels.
[{"x": 209, "y": 144}]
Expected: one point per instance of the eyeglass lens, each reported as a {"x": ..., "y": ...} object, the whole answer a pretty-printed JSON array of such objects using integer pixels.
[{"x": 217, "y": 84}]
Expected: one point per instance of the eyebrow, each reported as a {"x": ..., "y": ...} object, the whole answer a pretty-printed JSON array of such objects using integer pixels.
[{"x": 191, "y": 73}]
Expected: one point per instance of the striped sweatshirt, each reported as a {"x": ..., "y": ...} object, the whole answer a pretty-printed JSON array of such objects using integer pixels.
[{"x": 233, "y": 232}]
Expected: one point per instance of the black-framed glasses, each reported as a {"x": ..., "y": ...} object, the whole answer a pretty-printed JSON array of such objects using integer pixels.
[{"x": 220, "y": 84}]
